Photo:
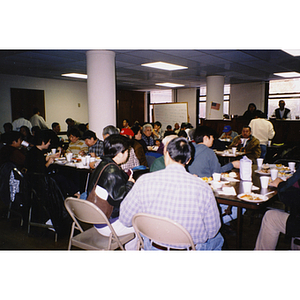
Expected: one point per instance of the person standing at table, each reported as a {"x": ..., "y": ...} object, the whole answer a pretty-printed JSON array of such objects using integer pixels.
[
  {"x": 263, "y": 130},
  {"x": 282, "y": 113},
  {"x": 21, "y": 121},
  {"x": 95, "y": 145},
  {"x": 276, "y": 221},
  {"x": 189, "y": 201},
  {"x": 38, "y": 120},
  {"x": 250, "y": 146}
]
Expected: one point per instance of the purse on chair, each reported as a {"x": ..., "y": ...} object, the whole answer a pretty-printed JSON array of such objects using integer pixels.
[{"x": 98, "y": 201}]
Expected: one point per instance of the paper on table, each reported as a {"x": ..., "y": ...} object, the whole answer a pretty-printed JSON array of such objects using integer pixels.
[
  {"x": 255, "y": 188},
  {"x": 228, "y": 191}
]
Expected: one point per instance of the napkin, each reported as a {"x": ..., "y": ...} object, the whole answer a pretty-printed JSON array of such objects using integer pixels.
[
  {"x": 227, "y": 191},
  {"x": 255, "y": 188}
]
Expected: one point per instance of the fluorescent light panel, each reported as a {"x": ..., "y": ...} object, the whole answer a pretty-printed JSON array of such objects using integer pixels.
[
  {"x": 294, "y": 52},
  {"x": 169, "y": 84},
  {"x": 75, "y": 75},
  {"x": 288, "y": 74},
  {"x": 164, "y": 66}
]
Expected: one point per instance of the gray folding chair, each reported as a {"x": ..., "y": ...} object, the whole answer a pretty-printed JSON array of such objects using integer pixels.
[
  {"x": 91, "y": 239},
  {"x": 163, "y": 231}
]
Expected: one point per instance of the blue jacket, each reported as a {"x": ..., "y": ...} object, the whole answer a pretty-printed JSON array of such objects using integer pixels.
[{"x": 206, "y": 162}]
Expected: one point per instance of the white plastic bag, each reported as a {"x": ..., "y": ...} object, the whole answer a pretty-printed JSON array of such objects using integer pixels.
[{"x": 246, "y": 169}]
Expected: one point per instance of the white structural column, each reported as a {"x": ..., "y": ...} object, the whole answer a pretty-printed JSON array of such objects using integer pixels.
[
  {"x": 214, "y": 97},
  {"x": 101, "y": 89}
]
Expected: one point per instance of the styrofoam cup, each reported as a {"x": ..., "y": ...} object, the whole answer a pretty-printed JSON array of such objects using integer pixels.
[
  {"x": 233, "y": 150},
  {"x": 259, "y": 163},
  {"x": 247, "y": 187},
  {"x": 274, "y": 173},
  {"x": 217, "y": 176},
  {"x": 264, "y": 182},
  {"x": 292, "y": 166}
]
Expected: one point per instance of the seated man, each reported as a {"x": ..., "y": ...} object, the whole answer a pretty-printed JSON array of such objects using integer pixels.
[
  {"x": 251, "y": 145},
  {"x": 76, "y": 145},
  {"x": 146, "y": 136},
  {"x": 190, "y": 201},
  {"x": 11, "y": 150},
  {"x": 275, "y": 221},
  {"x": 95, "y": 145},
  {"x": 206, "y": 163},
  {"x": 228, "y": 134}
]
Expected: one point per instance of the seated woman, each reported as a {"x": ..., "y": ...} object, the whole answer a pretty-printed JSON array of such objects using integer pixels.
[
  {"x": 76, "y": 145},
  {"x": 26, "y": 135},
  {"x": 37, "y": 162},
  {"x": 115, "y": 182}
]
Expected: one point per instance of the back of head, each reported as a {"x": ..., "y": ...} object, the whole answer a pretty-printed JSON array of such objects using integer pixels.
[
  {"x": 35, "y": 110},
  {"x": 114, "y": 144},
  {"x": 9, "y": 137},
  {"x": 135, "y": 129},
  {"x": 89, "y": 134},
  {"x": 40, "y": 137},
  {"x": 110, "y": 130},
  {"x": 202, "y": 131},
  {"x": 179, "y": 150}
]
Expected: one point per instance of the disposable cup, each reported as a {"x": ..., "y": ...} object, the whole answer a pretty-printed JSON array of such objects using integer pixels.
[
  {"x": 264, "y": 182},
  {"x": 53, "y": 150},
  {"x": 274, "y": 173},
  {"x": 69, "y": 157},
  {"x": 83, "y": 160},
  {"x": 292, "y": 166},
  {"x": 233, "y": 150},
  {"x": 217, "y": 176},
  {"x": 259, "y": 163},
  {"x": 269, "y": 143},
  {"x": 88, "y": 158},
  {"x": 247, "y": 186}
]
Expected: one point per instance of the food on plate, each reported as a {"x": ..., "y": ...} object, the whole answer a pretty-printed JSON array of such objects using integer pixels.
[
  {"x": 265, "y": 167},
  {"x": 225, "y": 175},
  {"x": 207, "y": 179},
  {"x": 266, "y": 171},
  {"x": 232, "y": 174},
  {"x": 250, "y": 197}
]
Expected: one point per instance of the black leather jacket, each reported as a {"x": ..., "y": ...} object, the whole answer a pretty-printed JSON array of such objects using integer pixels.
[{"x": 114, "y": 180}]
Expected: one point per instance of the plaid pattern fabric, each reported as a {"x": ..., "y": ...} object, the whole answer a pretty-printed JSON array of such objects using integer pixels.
[
  {"x": 178, "y": 195},
  {"x": 97, "y": 148},
  {"x": 131, "y": 162}
]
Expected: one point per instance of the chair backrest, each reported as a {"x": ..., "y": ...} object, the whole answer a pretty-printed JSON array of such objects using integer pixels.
[
  {"x": 162, "y": 230},
  {"x": 85, "y": 211}
]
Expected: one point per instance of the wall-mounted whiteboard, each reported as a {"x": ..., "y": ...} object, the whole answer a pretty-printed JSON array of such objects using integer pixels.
[{"x": 170, "y": 113}]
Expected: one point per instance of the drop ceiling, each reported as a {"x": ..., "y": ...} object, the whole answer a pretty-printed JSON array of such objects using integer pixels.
[{"x": 237, "y": 66}]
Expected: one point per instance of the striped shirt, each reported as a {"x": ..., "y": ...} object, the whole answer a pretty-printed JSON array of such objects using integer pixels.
[
  {"x": 78, "y": 146},
  {"x": 178, "y": 195}
]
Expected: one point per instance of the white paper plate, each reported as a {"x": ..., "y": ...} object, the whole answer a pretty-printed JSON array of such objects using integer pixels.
[{"x": 257, "y": 197}]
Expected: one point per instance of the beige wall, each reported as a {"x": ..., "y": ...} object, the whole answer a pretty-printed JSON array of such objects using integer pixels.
[
  {"x": 189, "y": 96},
  {"x": 244, "y": 93},
  {"x": 61, "y": 98}
]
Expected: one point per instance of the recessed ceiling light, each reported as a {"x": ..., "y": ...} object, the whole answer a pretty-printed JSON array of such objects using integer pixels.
[
  {"x": 294, "y": 52},
  {"x": 169, "y": 84},
  {"x": 288, "y": 74},
  {"x": 164, "y": 66},
  {"x": 75, "y": 75}
]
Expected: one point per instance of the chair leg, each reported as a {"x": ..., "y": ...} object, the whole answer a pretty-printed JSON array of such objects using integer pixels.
[{"x": 29, "y": 220}]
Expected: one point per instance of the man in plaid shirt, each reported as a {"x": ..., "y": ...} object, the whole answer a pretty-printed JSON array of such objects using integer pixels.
[
  {"x": 95, "y": 145},
  {"x": 178, "y": 195}
]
